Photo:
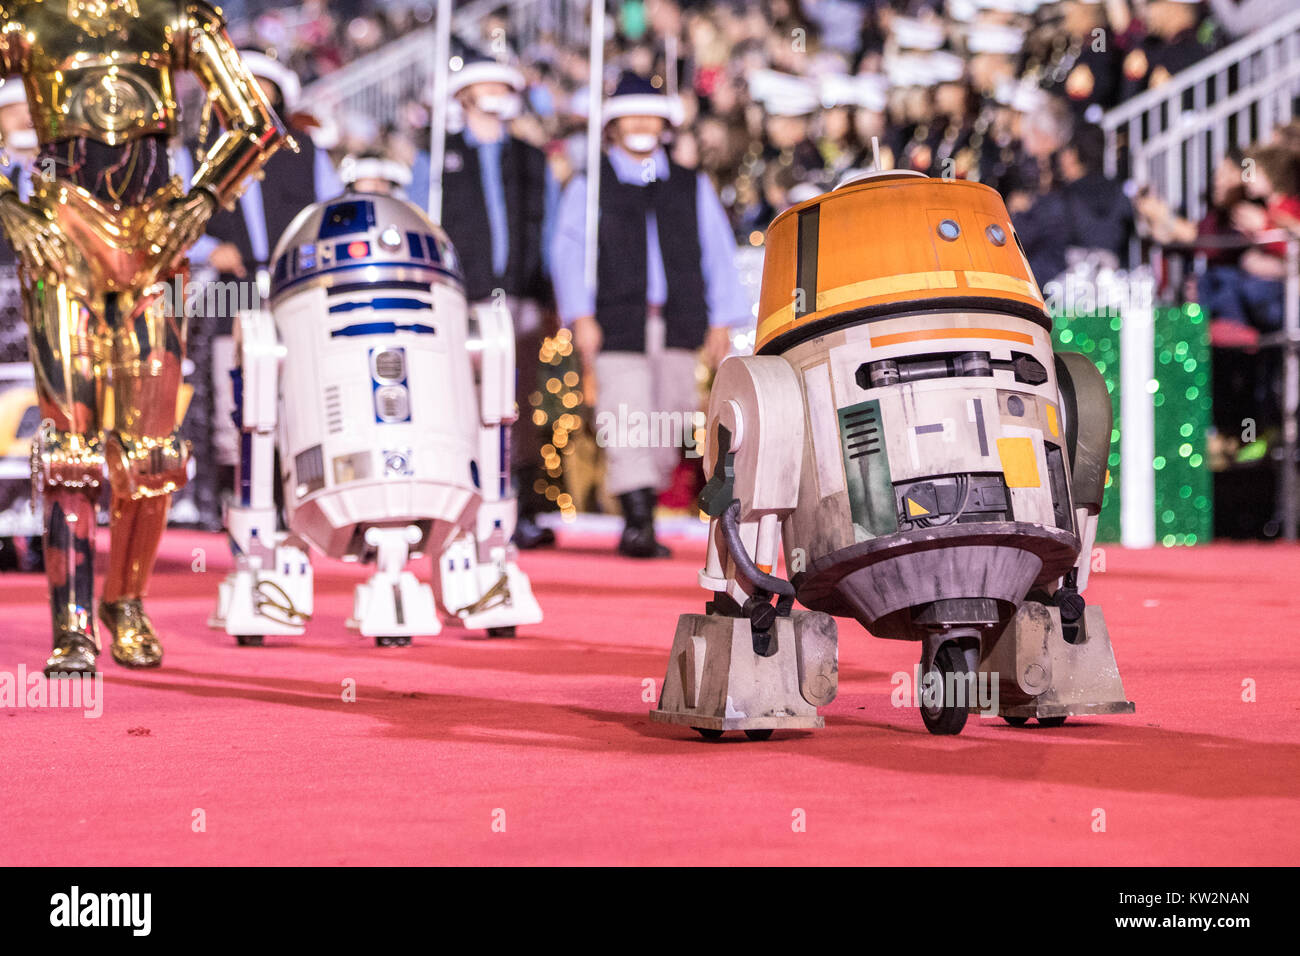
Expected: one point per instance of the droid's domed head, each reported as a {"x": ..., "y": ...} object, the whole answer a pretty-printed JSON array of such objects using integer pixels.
[
  {"x": 888, "y": 244},
  {"x": 363, "y": 237}
]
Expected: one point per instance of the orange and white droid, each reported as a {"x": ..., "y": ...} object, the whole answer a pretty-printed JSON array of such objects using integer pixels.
[{"x": 929, "y": 466}]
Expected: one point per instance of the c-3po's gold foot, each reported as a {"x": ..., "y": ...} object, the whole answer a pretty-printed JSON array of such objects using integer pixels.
[
  {"x": 133, "y": 641},
  {"x": 74, "y": 653}
]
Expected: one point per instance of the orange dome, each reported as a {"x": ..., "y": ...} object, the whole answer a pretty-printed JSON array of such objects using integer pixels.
[{"x": 890, "y": 243}]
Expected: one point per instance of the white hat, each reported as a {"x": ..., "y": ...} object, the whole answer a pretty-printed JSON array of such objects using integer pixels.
[
  {"x": 963, "y": 11},
  {"x": 485, "y": 71},
  {"x": 266, "y": 68},
  {"x": 580, "y": 102},
  {"x": 1024, "y": 7},
  {"x": 802, "y": 192},
  {"x": 912, "y": 34},
  {"x": 637, "y": 96},
  {"x": 783, "y": 94},
  {"x": 1020, "y": 96},
  {"x": 374, "y": 167},
  {"x": 995, "y": 38},
  {"x": 326, "y": 134},
  {"x": 12, "y": 91},
  {"x": 906, "y": 69},
  {"x": 925, "y": 69},
  {"x": 867, "y": 90}
]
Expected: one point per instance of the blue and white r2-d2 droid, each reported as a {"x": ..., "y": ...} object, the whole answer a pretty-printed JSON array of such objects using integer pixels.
[{"x": 389, "y": 402}]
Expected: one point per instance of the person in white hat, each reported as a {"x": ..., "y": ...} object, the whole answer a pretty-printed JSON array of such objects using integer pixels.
[
  {"x": 1178, "y": 35},
  {"x": 374, "y": 173},
  {"x": 1086, "y": 68},
  {"x": 939, "y": 142},
  {"x": 666, "y": 285},
  {"x": 237, "y": 247},
  {"x": 853, "y": 114},
  {"x": 789, "y": 105},
  {"x": 245, "y": 237},
  {"x": 497, "y": 192}
]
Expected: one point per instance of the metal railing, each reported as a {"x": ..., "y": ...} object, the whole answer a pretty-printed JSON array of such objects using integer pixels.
[
  {"x": 376, "y": 85},
  {"x": 1171, "y": 138}
]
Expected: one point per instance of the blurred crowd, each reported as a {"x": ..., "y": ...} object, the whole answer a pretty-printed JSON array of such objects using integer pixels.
[{"x": 783, "y": 97}]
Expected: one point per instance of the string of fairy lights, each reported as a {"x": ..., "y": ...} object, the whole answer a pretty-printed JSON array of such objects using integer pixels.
[{"x": 557, "y": 404}]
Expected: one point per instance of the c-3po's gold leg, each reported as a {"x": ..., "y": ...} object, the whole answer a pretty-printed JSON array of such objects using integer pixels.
[
  {"x": 146, "y": 463},
  {"x": 66, "y": 345}
]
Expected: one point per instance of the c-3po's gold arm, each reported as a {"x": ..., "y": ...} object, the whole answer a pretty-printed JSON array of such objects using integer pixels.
[{"x": 251, "y": 131}]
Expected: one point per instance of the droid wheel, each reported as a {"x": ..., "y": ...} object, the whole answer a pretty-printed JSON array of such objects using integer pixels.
[
  {"x": 708, "y": 733},
  {"x": 501, "y": 631},
  {"x": 947, "y": 717},
  {"x": 391, "y": 641},
  {"x": 250, "y": 640},
  {"x": 765, "y": 734},
  {"x": 1051, "y": 721},
  {"x": 1016, "y": 721}
]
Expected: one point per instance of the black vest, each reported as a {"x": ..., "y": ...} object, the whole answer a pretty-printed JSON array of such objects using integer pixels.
[
  {"x": 621, "y": 260},
  {"x": 465, "y": 218},
  {"x": 288, "y": 187}
]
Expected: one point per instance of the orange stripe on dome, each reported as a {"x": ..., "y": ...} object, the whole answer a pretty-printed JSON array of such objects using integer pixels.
[{"x": 922, "y": 335}]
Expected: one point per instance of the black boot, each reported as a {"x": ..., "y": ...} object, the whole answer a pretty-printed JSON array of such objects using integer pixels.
[
  {"x": 529, "y": 534},
  {"x": 638, "y": 539},
  {"x": 528, "y": 503}
]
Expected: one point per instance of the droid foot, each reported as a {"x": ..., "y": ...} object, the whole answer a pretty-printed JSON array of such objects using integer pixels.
[
  {"x": 74, "y": 653},
  {"x": 390, "y": 640},
  {"x": 717, "y": 681},
  {"x": 1050, "y": 672},
  {"x": 134, "y": 643}
]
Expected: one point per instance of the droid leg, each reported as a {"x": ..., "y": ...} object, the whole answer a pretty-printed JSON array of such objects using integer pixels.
[
  {"x": 66, "y": 335},
  {"x": 393, "y": 606},
  {"x": 68, "y": 471},
  {"x": 479, "y": 577},
  {"x": 1054, "y": 659},
  {"x": 750, "y": 661},
  {"x": 270, "y": 590},
  {"x": 146, "y": 461}
]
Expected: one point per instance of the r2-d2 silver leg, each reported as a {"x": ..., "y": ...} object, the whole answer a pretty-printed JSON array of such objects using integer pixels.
[
  {"x": 270, "y": 590},
  {"x": 480, "y": 583}
]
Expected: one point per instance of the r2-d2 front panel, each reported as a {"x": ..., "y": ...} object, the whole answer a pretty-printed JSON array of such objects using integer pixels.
[{"x": 379, "y": 425}]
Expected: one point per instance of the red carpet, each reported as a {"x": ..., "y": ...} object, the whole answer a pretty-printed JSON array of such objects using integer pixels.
[{"x": 551, "y": 728}]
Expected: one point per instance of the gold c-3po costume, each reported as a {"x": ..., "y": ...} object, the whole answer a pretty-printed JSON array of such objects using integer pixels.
[{"x": 105, "y": 230}]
